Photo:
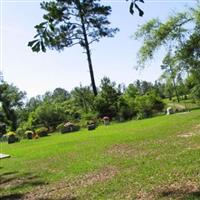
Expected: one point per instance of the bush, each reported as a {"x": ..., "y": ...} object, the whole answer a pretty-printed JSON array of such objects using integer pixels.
[
  {"x": 2, "y": 128},
  {"x": 69, "y": 127},
  {"x": 20, "y": 132},
  {"x": 4, "y": 138},
  {"x": 147, "y": 105},
  {"x": 42, "y": 131},
  {"x": 60, "y": 126},
  {"x": 29, "y": 134}
]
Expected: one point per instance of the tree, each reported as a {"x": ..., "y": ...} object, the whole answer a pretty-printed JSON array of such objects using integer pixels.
[
  {"x": 71, "y": 22},
  {"x": 170, "y": 72},
  {"x": 60, "y": 95},
  {"x": 147, "y": 105},
  {"x": 83, "y": 98},
  {"x": 11, "y": 99},
  {"x": 47, "y": 114},
  {"x": 107, "y": 100},
  {"x": 180, "y": 33}
]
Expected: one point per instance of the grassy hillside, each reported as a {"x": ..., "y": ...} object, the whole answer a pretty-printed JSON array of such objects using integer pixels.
[{"x": 156, "y": 158}]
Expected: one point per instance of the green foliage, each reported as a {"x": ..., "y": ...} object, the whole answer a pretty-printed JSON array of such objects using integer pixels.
[
  {"x": 20, "y": 132},
  {"x": 42, "y": 131},
  {"x": 2, "y": 128},
  {"x": 147, "y": 105},
  {"x": 47, "y": 114},
  {"x": 59, "y": 126},
  {"x": 63, "y": 24},
  {"x": 83, "y": 98},
  {"x": 11, "y": 99},
  {"x": 10, "y": 133},
  {"x": 125, "y": 109},
  {"x": 179, "y": 34},
  {"x": 68, "y": 23},
  {"x": 107, "y": 100}
]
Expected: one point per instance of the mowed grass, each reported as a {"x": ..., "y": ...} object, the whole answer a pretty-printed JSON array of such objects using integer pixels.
[{"x": 157, "y": 158}]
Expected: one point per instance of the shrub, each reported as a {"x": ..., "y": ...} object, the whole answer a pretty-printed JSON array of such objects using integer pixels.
[
  {"x": 60, "y": 126},
  {"x": 29, "y": 134},
  {"x": 2, "y": 128},
  {"x": 42, "y": 131},
  {"x": 20, "y": 132},
  {"x": 147, "y": 105}
]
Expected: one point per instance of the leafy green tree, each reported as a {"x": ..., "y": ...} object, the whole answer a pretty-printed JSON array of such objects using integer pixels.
[
  {"x": 48, "y": 115},
  {"x": 83, "y": 98},
  {"x": 170, "y": 72},
  {"x": 147, "y": 105},
  {"x": 129, "y": 96},
  {"x": 106, "y": 102},
  {"x": 180, "y": 33},
  {"x": 126, "y": 108},
  {"x": 131, "y": 91},
  {"x": 159, "y": 89},
  {"x": 169, "y": 89},
  {"x": 11, "y": 99},
  {"x": 143, "y": 86},
  {"x": 70, "y": 22},
  {"x": 33, "y": 103},
  {"x": 60, "y": 95},
  {"x": 193, "y": 85},
  {"x": 183, "y": 91}
]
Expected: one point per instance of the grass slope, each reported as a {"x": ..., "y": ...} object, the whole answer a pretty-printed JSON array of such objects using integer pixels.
[{"x": 156, "y": 158}]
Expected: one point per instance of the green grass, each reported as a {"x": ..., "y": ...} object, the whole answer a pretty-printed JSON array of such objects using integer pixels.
[{"x": 133, "y": 160}]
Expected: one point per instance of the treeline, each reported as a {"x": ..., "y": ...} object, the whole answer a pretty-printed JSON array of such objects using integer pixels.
[{"x": 138, "y": 100}]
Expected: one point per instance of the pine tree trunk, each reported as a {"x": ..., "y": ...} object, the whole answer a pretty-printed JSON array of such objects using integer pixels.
[{"x": 88, "y": 56}]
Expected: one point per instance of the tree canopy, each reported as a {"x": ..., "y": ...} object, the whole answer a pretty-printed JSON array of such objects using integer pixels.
[
  {"x": 180, "y": 34},
  {"x": 11, "y": 98},
  {"x": 71, "y": 22}
]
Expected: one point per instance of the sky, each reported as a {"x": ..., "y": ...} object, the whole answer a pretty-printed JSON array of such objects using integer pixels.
[{"x": 115, "y": 57}]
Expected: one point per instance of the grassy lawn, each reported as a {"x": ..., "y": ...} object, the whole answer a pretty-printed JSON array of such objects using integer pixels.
[{"x": 157, "y": 158}]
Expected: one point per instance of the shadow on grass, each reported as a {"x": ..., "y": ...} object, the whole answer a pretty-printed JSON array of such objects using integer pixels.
[
  {"x": 15, "y": 181},
  {"x": 16, "y": 196},
  {"x": 14, "y": 186},
  {"x": 181, "y": 195},
  {"x": 66, "y": 198}
]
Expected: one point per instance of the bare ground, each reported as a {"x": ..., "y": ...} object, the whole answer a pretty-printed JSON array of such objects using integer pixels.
[{"x": 68, "y": 189}]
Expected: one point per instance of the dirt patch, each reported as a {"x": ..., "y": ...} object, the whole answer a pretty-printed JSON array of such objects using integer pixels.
[
  {"x": 19, "y": 181},
  {"x": 186, "y": 135},
  {"x": 195, "y": 131},
  {"x": 69, "y": 189},
  {"x": 144, "y": 196},
  {"x": 194, "y": 147},
  {"x": 126, "y": 150},
  {"x": 179, "y": 190},
  {"x": 172, "y": 191}
]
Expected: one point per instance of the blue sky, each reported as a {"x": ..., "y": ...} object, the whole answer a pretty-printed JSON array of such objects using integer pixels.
[{"x": 115, "y": 57}]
